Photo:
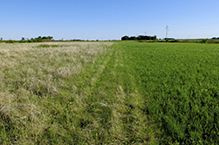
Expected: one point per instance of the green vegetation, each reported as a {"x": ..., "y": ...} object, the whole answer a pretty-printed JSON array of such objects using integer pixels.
[
  {"x": 38, "y": 39},
  {"x": 10, "y": 41},
  {"x": 180, "y": 84},
  {"x": 47, "y": 46},
  {"x": 102, "y": 93},
  {"x": 204, "y": 40},
  {"x": 140, "y": 37}
]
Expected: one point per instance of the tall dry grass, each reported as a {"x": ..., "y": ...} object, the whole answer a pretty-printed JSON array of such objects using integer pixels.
[{"x": 35, "y": 88}]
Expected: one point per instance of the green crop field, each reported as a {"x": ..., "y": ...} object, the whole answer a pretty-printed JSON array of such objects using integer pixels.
[{"x": 109, "y": 93}]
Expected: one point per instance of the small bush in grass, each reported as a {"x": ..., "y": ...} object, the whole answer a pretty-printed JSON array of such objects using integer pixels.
[
  {"x": 47, "y": 46},
  {"x": 44, "y": 46}
]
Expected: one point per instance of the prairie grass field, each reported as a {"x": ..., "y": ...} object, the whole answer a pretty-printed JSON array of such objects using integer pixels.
[{"x": 109, "y": 93}]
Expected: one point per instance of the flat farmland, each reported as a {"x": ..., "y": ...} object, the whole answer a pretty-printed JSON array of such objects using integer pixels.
[{"x": 109, "y": 93}]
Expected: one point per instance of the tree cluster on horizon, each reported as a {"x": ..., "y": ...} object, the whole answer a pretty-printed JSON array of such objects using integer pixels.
[
  {"x": 215, "y": 38},
  {"x": 38, "y": 39},
  {"x": 139, "y": 37}
]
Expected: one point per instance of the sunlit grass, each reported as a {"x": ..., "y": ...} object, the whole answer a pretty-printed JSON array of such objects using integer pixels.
[
  {"x": 37, "y": 82},
  {"x": 105, "y": 93}
]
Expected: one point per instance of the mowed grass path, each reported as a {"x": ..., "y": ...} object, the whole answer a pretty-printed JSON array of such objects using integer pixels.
[{"x": 121, "y": 93}]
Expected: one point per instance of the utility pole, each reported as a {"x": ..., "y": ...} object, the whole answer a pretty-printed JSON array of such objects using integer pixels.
[{"x": 167, "y": 29}]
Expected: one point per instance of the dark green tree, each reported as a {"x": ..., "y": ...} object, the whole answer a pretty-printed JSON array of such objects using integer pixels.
[
  {"x": 125, "y": 38},
  {"x": 132, "y": 38},
  {"x": 141, "y": 37}
]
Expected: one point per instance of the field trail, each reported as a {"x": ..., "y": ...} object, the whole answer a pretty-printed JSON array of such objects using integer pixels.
[
  {"x": 101, "y": 68},
  {"x": 116, "y": 107}
]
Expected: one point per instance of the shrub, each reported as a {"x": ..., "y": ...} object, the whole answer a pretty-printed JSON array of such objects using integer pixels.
[
  {"x": 30, "y": 41},
  {"x": 204, "y": 41},
  {"x": 10, "y": 41},
  {"x": 47, "y": 46},
  {"x": 174, "y": 40},
  {"x": 23, "y": 41},
  {"x": 44, "y": 46}
]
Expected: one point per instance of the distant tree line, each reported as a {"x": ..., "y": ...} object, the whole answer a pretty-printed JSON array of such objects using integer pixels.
[
  {"x": 76, "y": 40},
  {"x": 38, "y": 39},
  {"x": 215, "y": 38},
  {"x": 140, "y": 37}
]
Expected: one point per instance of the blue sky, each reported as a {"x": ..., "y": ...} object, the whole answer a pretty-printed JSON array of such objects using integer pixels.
[{"x": 108, "y": 19}]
